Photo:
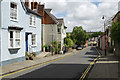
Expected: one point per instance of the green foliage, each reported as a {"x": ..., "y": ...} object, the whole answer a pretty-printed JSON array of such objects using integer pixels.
[
  {"x": 69, "y": 42},
  {"x": 55, "y": 46},
  {"x": 115, "y": 32},
  {"x": 96, "y": 34},
  {"x": 79, "y": 36},
  {"x": 34, "y": 54},
  {"x": 44, "y": 46}
]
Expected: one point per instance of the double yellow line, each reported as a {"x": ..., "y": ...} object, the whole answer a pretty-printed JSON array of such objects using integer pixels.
[
  {"x": 38, "y": 65},
  {"x": 89, "y": 67}
]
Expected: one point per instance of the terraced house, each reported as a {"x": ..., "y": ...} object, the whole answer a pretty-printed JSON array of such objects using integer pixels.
[
  {"x": 20, "y": 31},
  {"x": 53, "y": 29}
]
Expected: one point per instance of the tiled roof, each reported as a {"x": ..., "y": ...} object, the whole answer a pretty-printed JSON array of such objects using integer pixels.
[
  {"x": 51, "y": 15},
  {"x": 60, "y": 20}
]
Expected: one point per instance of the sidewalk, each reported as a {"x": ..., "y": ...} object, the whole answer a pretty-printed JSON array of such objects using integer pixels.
[
  {"x": 41, "y": 58},
  {"x": 106, "y": 68}
]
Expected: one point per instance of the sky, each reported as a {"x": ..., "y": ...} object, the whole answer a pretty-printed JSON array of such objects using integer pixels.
[{"x": 85, "y": 13}]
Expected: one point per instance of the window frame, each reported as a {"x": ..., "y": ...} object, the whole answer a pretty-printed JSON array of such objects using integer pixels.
[
  {"x": 12, "y": 19},
  {"x": 33, "y": 20},
  {"x": 34, "y": 39},
  {"x": 14, "y": 39}
]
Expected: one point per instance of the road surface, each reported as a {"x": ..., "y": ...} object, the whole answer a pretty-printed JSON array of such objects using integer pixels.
[{"x": 68, "y": 68}]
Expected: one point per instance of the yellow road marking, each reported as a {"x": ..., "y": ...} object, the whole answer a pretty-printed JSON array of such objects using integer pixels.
[
  {"x": 89, "y": 67},
  {"x": 40, "y": 64}
]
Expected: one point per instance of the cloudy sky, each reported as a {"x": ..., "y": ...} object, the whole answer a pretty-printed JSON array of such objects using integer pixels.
[{"x": 85, "y": 13}]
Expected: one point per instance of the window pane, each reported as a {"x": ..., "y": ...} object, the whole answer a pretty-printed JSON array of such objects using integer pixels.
[
  {"x": 11, "y": 42},
  {"x": 11, "y": 34},
  {"x": 17, "y": 42},
  {"x": 17, "y": 34}
]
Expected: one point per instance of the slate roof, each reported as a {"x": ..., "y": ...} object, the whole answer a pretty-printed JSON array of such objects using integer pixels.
[
  {"x": 29, "y": 10},
  {"x": 60, "y": 20}
]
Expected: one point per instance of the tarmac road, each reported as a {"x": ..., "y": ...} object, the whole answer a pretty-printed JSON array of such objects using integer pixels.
[{"x": 68, "y": 68}]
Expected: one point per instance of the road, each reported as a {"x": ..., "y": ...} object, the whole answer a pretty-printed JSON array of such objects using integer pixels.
[{"x": 68, "y": 68}]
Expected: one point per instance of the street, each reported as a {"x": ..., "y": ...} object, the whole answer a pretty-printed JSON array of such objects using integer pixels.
[{"x": 67, "y": 68}]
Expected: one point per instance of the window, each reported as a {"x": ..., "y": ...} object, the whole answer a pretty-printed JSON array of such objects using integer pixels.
[
  {"x": 33, "y": 39},
  {"x": 32, "y": 20},
  {"x": 14, "y": 39},
  {"x": 13, "y": 11},
  {"x": 59, "y": 30}
]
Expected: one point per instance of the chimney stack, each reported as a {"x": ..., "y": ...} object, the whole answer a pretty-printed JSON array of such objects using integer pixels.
[{"x": 27, "y": 3}]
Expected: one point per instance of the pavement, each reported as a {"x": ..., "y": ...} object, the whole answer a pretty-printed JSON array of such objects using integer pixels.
[
  {"x": 39, "y": 59},
  {"x": 106, "y": 68}
]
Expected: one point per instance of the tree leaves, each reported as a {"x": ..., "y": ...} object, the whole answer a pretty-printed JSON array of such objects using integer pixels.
[
  {"x": 115, "y": 31},
  {"x": 79, "y": 35}
]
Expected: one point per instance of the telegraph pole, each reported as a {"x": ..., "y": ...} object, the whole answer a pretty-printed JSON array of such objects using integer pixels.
[{"x": 105, "y": 33}]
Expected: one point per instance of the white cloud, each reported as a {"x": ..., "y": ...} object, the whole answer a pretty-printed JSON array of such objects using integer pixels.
[{"x": 83, "y": 12}]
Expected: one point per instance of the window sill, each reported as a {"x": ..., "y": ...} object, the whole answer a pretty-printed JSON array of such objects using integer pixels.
[
  {"x": 33, "y": 45},
  {"x": 32, "y": 26},
  {"x": 15, "y": 20}
]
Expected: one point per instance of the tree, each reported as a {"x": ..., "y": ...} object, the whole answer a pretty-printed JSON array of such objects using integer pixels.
[
  {"x": 115, "y": 32},
  {"x": 79, "y": 35},
  {"x": 96, "y": 34},
  {"x": 69, "y": 42}
]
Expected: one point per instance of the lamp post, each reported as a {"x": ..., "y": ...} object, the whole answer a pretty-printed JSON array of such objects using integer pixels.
[{"x": 105, "y": 33}]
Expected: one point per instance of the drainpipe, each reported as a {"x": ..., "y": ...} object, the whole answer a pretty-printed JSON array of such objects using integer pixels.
[{"x": 0, "y": 34}]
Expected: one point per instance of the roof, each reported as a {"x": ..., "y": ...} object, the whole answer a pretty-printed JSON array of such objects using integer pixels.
[
  {"x": 116, "y": 15},
  {"x": 33, "y": 12},
  {"x": 29, "y": 10},
  {"x": 51, "y": 15},
  {"x": 60, "y": 20}
]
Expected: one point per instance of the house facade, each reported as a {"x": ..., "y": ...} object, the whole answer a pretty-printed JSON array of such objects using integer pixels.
[
  {"x": 115, "y": 19},
  {"x": 61, "y": 32},
  {"x": 20, "y": 31},
  {"x": 53, "y": 29}
]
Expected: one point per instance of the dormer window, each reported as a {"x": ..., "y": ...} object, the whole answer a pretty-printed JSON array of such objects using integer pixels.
[{"x": 13, "y": 11}]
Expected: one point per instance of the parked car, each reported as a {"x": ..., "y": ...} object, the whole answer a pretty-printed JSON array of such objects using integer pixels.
[
  {"x": 74, "y": 47},
  {"x": 79, "y": 48}
]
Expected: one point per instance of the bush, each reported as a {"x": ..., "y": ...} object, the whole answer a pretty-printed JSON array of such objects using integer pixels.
[
  {"x": 110, "y": 49},
  {"x": 69, "y": 42},
  {"x": 55, "y": 46},
  {"x": 34, "y": 54}
]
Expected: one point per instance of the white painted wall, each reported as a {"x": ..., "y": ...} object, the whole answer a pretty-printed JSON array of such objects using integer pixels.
[{"x": 23, "y": 21}]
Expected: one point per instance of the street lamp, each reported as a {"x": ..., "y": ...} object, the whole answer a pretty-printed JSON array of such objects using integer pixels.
[{"x": 105, "y": 33}]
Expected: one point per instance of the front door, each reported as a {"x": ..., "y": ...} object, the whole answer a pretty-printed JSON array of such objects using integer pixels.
[{"x": 28, "y": 41}]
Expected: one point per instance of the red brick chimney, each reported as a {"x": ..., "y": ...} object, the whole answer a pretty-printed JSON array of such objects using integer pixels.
[
  {"x": 34, "y": 5},
  {"x": 27, "y": 3},
  {"x": 41, "y": 8}
]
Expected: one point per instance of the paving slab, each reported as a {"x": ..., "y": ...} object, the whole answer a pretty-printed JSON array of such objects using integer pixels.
[{"x": 106, "y": 67}]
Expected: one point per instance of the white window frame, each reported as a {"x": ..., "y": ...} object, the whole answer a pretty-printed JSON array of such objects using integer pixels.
[
  {"x": 13, "y": 19},
  {"x": 14, "y": 39},
  {"x": 33, "y": 20},
  {"x": 34, "y": 39}
]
